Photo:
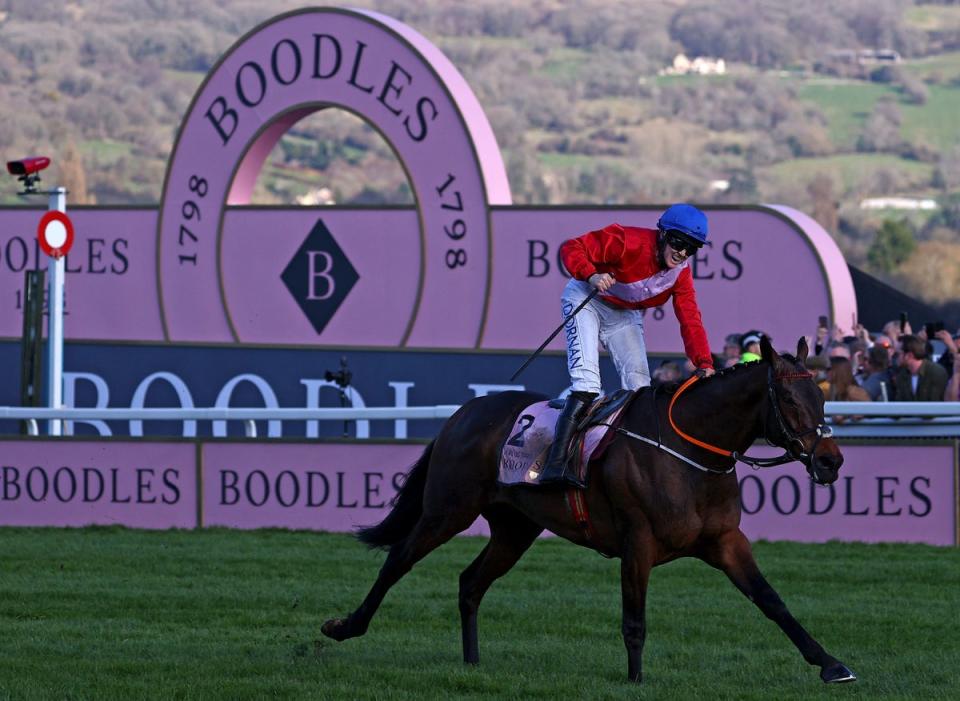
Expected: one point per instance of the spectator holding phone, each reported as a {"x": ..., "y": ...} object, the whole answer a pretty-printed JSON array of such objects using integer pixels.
[
  {"x": 949, "y": 354},
  {"x": 823, "y": 332},
  {"x": 898, "y": 327},
  {"x": 953, "y": 386}
]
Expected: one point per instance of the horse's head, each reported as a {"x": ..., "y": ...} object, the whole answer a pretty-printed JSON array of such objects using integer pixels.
[{"x": 795, "y": 418}]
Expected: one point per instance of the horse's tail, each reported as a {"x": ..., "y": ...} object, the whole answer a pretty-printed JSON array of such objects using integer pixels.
[{"x": 407, "y": 507}]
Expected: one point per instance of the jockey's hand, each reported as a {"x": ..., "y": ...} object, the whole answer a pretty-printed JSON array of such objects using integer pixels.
[
  {"x": 602, "y": 281},
  {"x": 705, "y": 372}
]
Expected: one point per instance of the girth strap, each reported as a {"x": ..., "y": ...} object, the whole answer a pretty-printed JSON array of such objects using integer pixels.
[
  {"x": 577, "y": 501},
  {"x": 578, "y": 507}
]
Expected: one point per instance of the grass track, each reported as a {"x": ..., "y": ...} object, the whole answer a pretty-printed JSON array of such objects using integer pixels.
[{"x": 117, "y": 614}]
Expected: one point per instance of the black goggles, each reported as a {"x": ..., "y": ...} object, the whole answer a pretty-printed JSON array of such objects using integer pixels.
[{"x": 679, "y": 242}]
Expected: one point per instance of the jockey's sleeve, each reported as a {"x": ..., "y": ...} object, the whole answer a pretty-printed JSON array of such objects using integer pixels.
[
  {"x": 581, "y": 255},
  {"x": 695, "y": 342}
]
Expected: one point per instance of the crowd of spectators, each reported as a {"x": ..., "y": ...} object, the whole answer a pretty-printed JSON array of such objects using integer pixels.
[{"x": 894, "y": 364}]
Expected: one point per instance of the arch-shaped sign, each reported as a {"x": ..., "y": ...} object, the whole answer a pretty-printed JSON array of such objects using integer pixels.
[{"x": 402, "y": 85}]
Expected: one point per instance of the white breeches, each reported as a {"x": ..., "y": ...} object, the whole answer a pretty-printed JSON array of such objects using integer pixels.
[{"x": 619, "y": 330}]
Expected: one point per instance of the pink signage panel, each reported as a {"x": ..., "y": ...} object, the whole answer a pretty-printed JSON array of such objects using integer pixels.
[
  {"x": 332, "y": 487},
  {"x": 884, "y": 494},
  {"x": 82, "y": 483},
  {"x": 111, "y": 273},
  {"x": 320, "y": 486},
  {"x": 889, "y": 493},
  {"x": 382, "y": 247},
  {"x": 743, "y": 279},
  {"x": 363, "y": 268}
]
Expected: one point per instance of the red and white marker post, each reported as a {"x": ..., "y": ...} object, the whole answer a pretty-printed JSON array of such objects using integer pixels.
[{"x": 55, "y": 233}]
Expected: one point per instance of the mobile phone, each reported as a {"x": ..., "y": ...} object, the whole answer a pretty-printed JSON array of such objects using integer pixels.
[
  {"x": 933, "y": 327},
  {"x": 822, "y": 322},
  {"x": 903, "y": 321}
]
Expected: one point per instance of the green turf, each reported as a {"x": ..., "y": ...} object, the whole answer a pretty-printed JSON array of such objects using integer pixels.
[{"x": 120, "y": 614}]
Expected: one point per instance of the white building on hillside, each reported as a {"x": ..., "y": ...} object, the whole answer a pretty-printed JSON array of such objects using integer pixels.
[
  {"x": 898, "y": 203},
  {"x": 701, "y": 65}
]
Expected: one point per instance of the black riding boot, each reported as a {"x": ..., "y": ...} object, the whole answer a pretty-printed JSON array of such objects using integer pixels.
[{"x": 555, "y": 470}]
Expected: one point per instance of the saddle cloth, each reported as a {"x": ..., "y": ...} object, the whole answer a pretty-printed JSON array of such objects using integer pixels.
[{"x": 525, "y": 450}]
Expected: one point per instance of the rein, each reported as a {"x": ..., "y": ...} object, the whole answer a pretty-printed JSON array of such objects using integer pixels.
[{"x": 791, "y": 436}]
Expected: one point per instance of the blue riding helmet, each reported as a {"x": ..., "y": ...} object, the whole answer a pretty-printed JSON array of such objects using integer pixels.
[{"x": 686, "y": 219}]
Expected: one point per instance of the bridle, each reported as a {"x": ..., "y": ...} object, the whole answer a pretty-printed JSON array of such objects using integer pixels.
[{"x": 792, "y": 439}]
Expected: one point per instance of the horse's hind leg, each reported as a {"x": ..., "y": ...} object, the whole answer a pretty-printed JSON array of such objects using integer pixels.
[
  {"x": 511, "y": 533},
  {"x": 732, "y": 554},
  {"x": 429, "y": 533}
]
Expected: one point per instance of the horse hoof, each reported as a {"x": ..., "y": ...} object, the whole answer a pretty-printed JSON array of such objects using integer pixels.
[
  {"x": 334, "y": 629},
  {"x": 837, "y": 673}
]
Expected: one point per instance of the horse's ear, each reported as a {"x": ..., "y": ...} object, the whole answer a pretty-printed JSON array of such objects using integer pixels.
[
  {"x": 802, "y": 350},
  {"x": 766, "y": 350}
]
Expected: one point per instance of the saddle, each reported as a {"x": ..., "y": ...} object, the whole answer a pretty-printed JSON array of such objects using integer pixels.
[{"x": 524, "y": 452}]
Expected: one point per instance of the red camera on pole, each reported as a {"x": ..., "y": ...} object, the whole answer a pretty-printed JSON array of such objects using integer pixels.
[{"x": 27, "y": 171}]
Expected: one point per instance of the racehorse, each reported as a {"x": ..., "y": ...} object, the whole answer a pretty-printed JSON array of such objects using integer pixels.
[{"x": 650, "y": 501}]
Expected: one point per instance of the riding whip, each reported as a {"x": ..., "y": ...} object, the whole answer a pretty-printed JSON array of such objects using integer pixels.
[{"x": 556, "y": 331}]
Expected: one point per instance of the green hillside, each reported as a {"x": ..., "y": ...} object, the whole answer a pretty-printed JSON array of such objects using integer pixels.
[{"x": 582, "y": 99}]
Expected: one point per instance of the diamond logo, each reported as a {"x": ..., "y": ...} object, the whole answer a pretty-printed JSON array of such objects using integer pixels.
[{"x": 319, "y": 276}]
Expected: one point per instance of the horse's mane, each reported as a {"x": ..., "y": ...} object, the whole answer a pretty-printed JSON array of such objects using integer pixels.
[
  {"x": 734, "y": 368},
  {"x": 788, "y": 357},
  {"x": 671, "y": 387}
]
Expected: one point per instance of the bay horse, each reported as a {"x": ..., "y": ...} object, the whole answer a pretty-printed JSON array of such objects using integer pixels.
[{"x": 648, "y": 504}]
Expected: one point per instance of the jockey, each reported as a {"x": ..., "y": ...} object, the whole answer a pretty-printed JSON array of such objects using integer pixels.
[{"x": 634, "y": 269}]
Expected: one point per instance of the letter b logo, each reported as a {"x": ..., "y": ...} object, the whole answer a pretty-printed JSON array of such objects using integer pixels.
[
  {"x": 319, "y": 276},
  {"x": 320, "y": 283}
]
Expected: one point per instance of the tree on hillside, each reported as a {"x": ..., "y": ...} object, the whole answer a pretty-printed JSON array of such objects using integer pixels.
[
  {"x": 914, "y": 89},
  {"x": 932, "y": 272},
  {"x": 824, "y": 202},
  {"x": 947, "y": 217},
  {"x": 73, "y": 176},
  {"x": 735, "y": 31},
  {"x": 882, "y": 129},
  {"x": 892, "y": 246},
  {"x": 948, "y": 169},
  {"x": 771, "y": 33}
]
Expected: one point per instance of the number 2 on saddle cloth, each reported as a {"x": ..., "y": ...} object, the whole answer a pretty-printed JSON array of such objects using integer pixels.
[{"x": 528, "y": 442}]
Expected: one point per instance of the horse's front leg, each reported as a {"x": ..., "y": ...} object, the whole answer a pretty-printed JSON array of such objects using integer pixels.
[
  {"x": 732, "y": 554},
  {"x": 635, "y": 569}
]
